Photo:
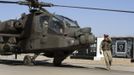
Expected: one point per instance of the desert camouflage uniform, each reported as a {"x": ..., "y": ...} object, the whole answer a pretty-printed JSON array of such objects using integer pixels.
[{"x": 106, "y": 48}]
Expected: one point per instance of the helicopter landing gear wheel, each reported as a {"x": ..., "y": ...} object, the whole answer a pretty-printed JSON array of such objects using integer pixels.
[
  {"x": 28, "y": 60},
  {"x": 58, "y": 58},
  {"x": 57, "y": 61}
]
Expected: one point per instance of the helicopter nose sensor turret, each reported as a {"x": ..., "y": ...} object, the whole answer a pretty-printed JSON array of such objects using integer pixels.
[{"x": 85, "y": 36}]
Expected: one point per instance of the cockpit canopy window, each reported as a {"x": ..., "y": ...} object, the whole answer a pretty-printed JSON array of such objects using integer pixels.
[
  {"x": 40, "y": 23},
  {"x": 43, "y": 21},
  {"x": 56, "y": 25},
  {"x": 68, "y": 21}
]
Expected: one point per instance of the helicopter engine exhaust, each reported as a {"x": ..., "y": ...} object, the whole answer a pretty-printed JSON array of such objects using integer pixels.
[{"x": 11, "y": 26}]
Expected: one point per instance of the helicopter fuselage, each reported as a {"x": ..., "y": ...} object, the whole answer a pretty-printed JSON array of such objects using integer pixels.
[{"x": 52, "y": 35}]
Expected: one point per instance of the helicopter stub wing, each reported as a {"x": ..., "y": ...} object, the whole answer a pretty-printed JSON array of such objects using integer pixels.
[{"x": 10, "y": 35}]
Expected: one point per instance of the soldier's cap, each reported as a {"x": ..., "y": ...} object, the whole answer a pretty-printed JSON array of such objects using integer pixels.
[{"x": 105, "y": 35}]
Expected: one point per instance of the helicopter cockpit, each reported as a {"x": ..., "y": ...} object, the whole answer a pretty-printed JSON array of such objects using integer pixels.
[
  {"x": 68, "y": 22},
  {"x": 56, "y": 25},
  {"x": 50, "y": 24}
]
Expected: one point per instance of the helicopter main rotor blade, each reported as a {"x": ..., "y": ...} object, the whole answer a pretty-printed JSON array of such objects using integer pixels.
[
  {"x": 37, "y": 4},
  {"x": 9, "y": 2},
  {"x": 91, "y": 8},
  {"x": 31, "y": 3}
]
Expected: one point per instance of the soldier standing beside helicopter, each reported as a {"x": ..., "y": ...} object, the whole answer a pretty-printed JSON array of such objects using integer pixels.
[{"x": 106, "y": 48}]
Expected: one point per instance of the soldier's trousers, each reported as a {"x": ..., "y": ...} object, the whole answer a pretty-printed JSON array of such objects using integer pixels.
[{"x": 108, "y": 58}]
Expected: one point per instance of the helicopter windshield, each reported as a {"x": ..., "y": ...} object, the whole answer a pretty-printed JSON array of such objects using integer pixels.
[
  {"x": 56, "y": 26},
  {"x": 68, "y": 21}
]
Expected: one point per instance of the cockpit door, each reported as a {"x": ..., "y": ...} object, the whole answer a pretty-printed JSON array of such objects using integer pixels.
[{"x": 44, "y": 23}]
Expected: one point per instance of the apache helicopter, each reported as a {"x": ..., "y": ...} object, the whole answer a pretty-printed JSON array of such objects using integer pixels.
[{"x": 43, "y": 33}]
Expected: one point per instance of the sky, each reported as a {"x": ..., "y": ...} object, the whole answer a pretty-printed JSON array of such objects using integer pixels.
[{"x": 101, "y": 22}]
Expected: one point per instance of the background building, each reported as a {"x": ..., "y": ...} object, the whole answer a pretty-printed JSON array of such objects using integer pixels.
[{"x": 122, "y": 47}]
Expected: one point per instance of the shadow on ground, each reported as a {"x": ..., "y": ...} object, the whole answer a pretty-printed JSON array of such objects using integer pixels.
[
  {"x": 100, "y": 68},
  {"x": 37, "y": 63},
  {"x": 47, "y": 63}
]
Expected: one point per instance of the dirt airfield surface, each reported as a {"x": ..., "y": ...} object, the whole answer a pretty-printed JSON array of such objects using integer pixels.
[{"x": 44, "y": 66}]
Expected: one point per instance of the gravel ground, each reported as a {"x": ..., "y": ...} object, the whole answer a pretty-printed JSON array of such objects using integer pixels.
[
  {"x": 116, "y": 61},
  {"x": 44, "y": 66}
]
